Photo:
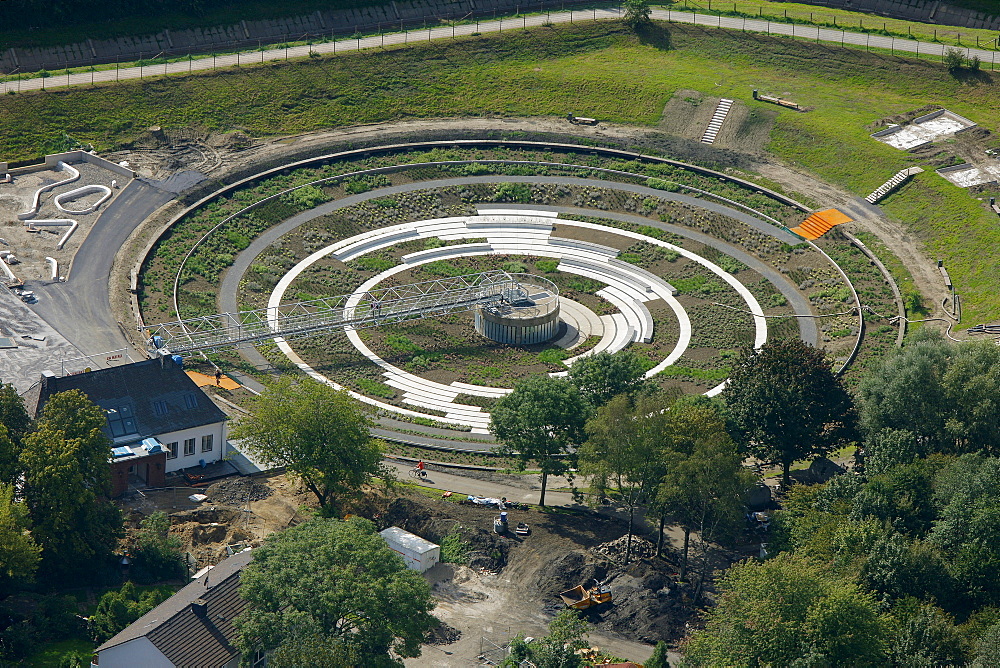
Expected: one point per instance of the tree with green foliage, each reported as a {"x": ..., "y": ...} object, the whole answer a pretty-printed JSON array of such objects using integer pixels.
[
  {"x": 320, "y": 435},
  {"x": 659, "y": 659},
  {"x": 622, "y": 454},
  {"x": 335, "y": 585},
  {"x": 789, "y": 611},
  {"x": 66, "y": 482},
  {"x": 785, "y": 404},
  {"x": 541, "y": 422},
  {"x": 14, "y": 425},
  {"x": 118, "y": 609},
  {"x": 947, "y": 395},
  {"x": 559, "y": 649},
  {"x": 906, "y": 392},
  {"x": 156, "y": 554},
  {"x": 968, "y": 526},
  {"x": 928, "y": 637},
  {"x": 603, "y": 376},
  {"x": 635, "y": 13},
  {"x": 703, "y": 486},
  {"x": 19, "y": 555}
]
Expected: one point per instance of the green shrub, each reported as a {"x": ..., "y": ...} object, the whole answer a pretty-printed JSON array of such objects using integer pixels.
[
  {"x": 306, "y": 197},
  {"x": 375, "y": 263},
  {"x": 513, "y": 192},
  {"x": 662, "y": 184},
  {"x": 552, "y": 355},
  {"x": 454, "y": 550},
  {"x": 442, "y": 268},
  {"x": 730, "y": 264},
  {"x": 547, "y": 266},
  {"x": 402, "y": 344},
  {"x": 375, "y": 388},
  {"x": 514, "y": 267}
]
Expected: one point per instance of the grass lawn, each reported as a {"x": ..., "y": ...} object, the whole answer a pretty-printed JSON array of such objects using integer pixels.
[
  {"x": 598, "y": 70},
  {"x": 51, "y": 653}
]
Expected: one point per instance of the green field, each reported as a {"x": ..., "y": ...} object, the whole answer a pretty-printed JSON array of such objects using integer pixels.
[{"x": 598, "y": 70}]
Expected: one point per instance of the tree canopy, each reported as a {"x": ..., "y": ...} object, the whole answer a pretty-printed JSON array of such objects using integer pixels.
[
  {"x": 333, "y": 585},
  {"x": 623, "y": 453},
  {"x": 19, "y": 555},
  {"x": 541, "y": 421},
  {"x": 603, "y": 376},
  {"x": 789, "y": 611},
  {"x": 66, "y": 482},
  {"x": 319, "y": 434},
  {"x": 785, "y": 404},
  {"x": 703, "y": 485}
]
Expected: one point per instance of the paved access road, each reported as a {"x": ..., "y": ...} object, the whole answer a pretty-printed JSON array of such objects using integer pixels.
[
  {"x": 79, "y": 309},
  {"x": 441, "y": 32}
]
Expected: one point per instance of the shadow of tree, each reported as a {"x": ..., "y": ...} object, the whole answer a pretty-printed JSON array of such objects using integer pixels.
[{"x": 656, "y": 35}]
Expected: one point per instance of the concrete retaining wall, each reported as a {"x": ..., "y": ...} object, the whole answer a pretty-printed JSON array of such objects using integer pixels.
[
  {"x": 926, "y": 11},
  {"x": 396, "y": 15}
]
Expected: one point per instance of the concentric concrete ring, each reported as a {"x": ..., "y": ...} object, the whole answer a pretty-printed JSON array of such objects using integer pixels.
[{"x": 509, "y": 232}]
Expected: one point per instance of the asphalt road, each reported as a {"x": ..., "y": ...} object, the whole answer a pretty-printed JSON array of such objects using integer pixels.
[
  {"x": 809, "y": 33},
  {"x": 80, "y": 309}
]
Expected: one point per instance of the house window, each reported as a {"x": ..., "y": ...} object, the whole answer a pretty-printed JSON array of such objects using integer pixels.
[
  {"x": 121, "y": 422},
  {"x": 188, "y": 446},
  {"x": 172, "y": 450},
  {"x": 190, "y": 401},
  {"x": 259, "y": 659},
  {"x": 160, "y": 407},
  {"x": 206, "y": 443}
]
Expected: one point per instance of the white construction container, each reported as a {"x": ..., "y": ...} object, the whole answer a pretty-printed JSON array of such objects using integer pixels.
[{"x": 419, "y": 554}]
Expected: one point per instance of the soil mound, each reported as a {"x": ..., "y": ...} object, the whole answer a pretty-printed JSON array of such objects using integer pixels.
[
  {"x": 238, "y": 491},
  {"x": 443, "y": 634}
]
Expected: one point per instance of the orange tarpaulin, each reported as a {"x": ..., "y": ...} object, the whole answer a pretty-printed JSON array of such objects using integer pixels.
[
  {"x": 202, "y": 380},
  {"x": 820, "y": 223}
]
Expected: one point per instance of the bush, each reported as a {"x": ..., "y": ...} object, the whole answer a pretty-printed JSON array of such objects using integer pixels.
[
  {"x": 513, "y": 192},
  {"x": 954, "y": 59},
  {"x": 454, "y": 550},
  {"x": 156, "y": 554},
  {"x": 547, "y": 266},
  {"x": 306, "y": 197},
  {"x": 552, "y": 355},
  {"x": 118, "y": 609}
]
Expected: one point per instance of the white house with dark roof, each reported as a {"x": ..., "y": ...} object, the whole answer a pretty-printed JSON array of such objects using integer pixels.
[
  {"x": 192, "y": 629},
  {"x": 159, "y": 420}
]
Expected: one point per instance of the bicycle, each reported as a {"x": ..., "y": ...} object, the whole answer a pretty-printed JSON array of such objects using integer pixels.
[{"x": 418, "y": 474}]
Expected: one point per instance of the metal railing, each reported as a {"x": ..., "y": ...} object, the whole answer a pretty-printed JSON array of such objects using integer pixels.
[{"x": 359, "y": 310}]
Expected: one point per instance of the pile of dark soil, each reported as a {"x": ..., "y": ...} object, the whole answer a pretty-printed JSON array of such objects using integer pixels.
[
  {"x": 442, "y": 634},
  {"x": 237, "y": 491},
  {"x": 648, "y": 605}
]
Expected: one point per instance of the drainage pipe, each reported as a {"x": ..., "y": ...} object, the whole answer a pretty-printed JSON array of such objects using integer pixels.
[
  {"x": 80, "y": 192},
  {"x": 10, "y": 275},
  {"x": 57, "y": 222},
  {"x": 35, "y": 202},
  {"x": 54, "y": 266}
]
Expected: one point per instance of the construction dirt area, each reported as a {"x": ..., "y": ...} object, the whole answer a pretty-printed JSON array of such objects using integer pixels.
[{"x": 505, "y": 585}]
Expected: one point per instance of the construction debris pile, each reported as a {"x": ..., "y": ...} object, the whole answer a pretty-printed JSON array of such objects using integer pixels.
[
  {"x": 238, "y": 491},
  {"x": 615, "y": 550}
]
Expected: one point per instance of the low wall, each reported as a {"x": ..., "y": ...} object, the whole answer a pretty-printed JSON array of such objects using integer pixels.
[
  {"x": 391, "y": 16},
  {"x": 71, "y": 157}
]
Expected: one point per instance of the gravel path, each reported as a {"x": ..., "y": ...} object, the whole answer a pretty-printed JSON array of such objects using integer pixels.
[{"x": 813, "y": 33}]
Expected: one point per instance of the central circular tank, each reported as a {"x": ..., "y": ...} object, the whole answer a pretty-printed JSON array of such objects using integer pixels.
[{"x": 528, "y": 313}]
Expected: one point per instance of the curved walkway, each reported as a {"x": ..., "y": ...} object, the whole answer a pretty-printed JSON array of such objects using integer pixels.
[
  {"x": 813, "y": 33},
  {"x": 451, "y": 229},
  {"x": 228, "y": 302}
]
